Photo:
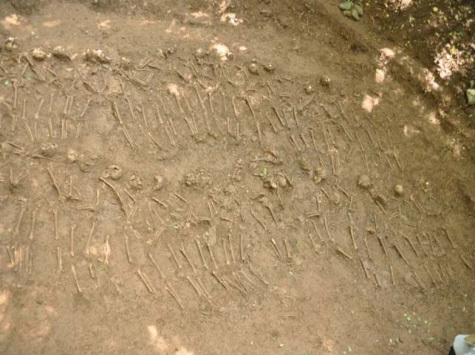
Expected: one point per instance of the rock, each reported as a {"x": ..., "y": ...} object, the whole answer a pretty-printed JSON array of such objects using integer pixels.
[
  {"x": 399, "y": 190},
  {"x": 38, "y": 54},
  {"x": 364, "y": 182},
  {"x": 309, "y": 89}
]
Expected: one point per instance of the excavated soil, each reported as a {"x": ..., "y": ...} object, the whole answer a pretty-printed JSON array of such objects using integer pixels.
[{"x": 225, "y": 178}]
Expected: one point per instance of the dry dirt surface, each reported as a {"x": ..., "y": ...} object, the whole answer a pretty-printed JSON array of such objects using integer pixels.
[{"x": 224, "y": 177}]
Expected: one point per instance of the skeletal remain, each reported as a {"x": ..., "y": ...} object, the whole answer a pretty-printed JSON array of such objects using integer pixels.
[
  {"x": 92, "y": 271},
  {"x": 73, "y": 228},
  {"x": 124, "y": 130},
  {"x": 211, "y": 254},
  {"x": 412, "y": 246},
  {"x": 56, "y": 232},
  {"x": 89, "y": 238},
  {"x": 353, "y": 238},
  {"x": 127, "y": 249},
  {"x": 449, "y": 238},
  {"x": 377, "y": 279},
  {"x": 122, "y": 203},
  {"x": 195, "y": 286},
  {"x": 383, "y": 246},
  {"x": 16, "y": 231},
  {"x": 276, "y": 248},
  {"x": 225, "y": 252},
  {"x": 33, "y": 222},
  {"x": 9, "y": 251},
  {"x": 430, "y": 274},
  {"x": 73, "y": 269},
  {"x": 53, "y": 179},
  {"x": 401, "y": 255},
  {"x": 313, "y": 243},
  {"x": 205, "y": 265},
  {"x": 258, "y": 220},
  {"x": 342, "y": 252},
  {"x": 187, "y": 258},
  {"x": 327, "y": 229},
  {"x": 418, "y": 280},
  {"x": 258, "y": 275},
  {"x": 422, "y": 245},
  {"x": 287, "y": 249},
  {"x": 367, "y": 248},
  {"x": 60, "y": 259},
  {"x": 172, "y": 252},
  {"x": 172, "y": 292},
  {"x": 222, "y": 282},
  {"x": 231, "y": 249},
  {"x": 239, "y": 282},
  {"x": 146, "y": 281},
  {"x": 294, "y": 142},
  {"x": 465, "y": 261},
  {"x": 241, "y": 248},
  {"x": 182, "y": 198}
]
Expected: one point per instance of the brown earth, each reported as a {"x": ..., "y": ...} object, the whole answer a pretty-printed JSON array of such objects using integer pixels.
[{"x": 270, "y": 137}]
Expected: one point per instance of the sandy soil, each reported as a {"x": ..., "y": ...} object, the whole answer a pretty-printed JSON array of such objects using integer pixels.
[{"x": 225, "y": 178}]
